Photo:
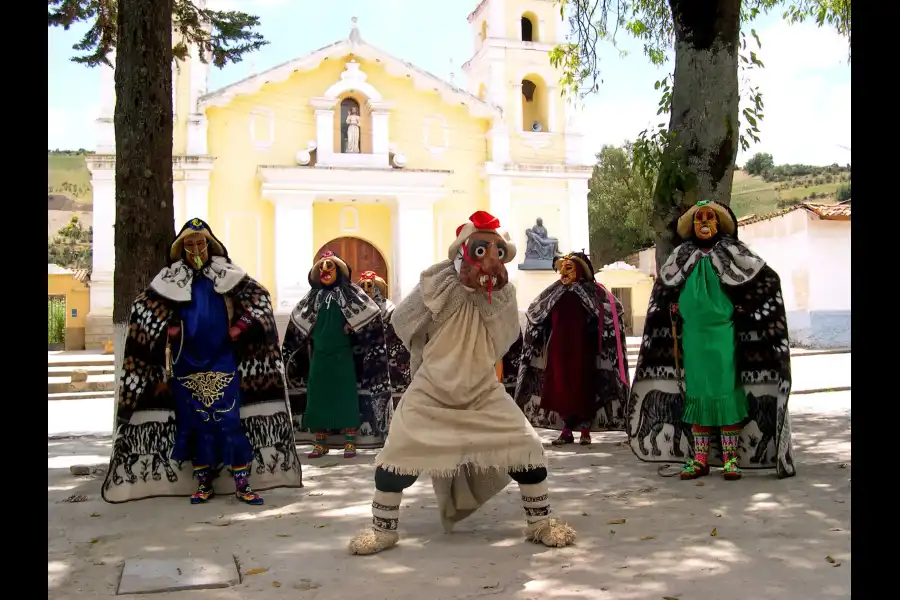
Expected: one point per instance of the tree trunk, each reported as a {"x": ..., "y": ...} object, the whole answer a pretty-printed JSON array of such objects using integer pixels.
[
  {"x": 143, "y": 126},
  {"x": 699, "y": 160}
]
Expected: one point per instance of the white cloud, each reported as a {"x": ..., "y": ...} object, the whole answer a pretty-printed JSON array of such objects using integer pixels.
[{"x": 805, "y": 86}]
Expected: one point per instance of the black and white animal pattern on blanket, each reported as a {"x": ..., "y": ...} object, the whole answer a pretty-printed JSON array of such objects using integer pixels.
[
  {"x": 763, "y": 362},
  {"x": 398, "y": 354},
  {"x": 140, "y": 466},
  {"x": 373, "y": 382},
  {"x": 611, "y": 363}
]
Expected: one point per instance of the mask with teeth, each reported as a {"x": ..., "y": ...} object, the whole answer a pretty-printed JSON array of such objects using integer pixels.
[
  {"x": 481, "y": 268},
  {"x": 706, "y": 224}
]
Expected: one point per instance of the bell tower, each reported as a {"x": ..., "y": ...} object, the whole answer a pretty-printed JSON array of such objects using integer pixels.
[{"x": 510, "y": 68}]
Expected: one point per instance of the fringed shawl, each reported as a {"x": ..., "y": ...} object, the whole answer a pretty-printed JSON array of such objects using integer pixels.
[{"x": 398, "y": 354}]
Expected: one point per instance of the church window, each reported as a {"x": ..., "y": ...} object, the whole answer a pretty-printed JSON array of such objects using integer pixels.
[
  {"x": 529, "y": 27},
  {"x": 534, "y": 104}
]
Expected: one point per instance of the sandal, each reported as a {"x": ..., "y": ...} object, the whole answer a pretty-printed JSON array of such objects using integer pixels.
[
  {"x": 694, "y": 469},
  {"x": 318, "y": 451},
  {"x": 585, "y": 439},
  {"x": 731, "y": 470},
  {"x": 566, "y": 437}
]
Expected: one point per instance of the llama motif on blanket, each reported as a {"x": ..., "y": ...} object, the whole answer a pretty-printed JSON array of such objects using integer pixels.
[{"x": 455, "y": 421}]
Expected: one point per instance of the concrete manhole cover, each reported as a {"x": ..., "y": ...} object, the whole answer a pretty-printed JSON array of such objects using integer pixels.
[{"x": 149, "y": 575}]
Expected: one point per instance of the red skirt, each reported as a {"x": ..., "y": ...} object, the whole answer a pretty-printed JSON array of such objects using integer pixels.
[{"x": 569, "y": 376}]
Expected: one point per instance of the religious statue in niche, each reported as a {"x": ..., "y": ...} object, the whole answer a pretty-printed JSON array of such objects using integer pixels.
[
  {"x": 353, "y": 131},
  {"x": 540, "y": 248}
]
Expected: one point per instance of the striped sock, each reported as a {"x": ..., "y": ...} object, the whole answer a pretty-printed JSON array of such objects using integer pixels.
[
  {"x": 386, "y": 511},
  {"x": 535, "y": 500},
  {"x": 701, "y": 436},
  {"x": 730, "y": 436}
]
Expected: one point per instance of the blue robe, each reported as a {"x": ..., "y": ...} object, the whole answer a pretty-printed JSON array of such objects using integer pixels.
[{"x": 207, "y": 384}]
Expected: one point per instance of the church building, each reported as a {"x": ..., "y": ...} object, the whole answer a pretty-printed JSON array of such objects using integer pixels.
[{"x": 351, "y": 149}]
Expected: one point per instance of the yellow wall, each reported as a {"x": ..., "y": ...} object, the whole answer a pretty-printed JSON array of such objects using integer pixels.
[
  {"x": 78, "y": 296},
  {"x": 235, "y": 205},
  {"x": 335, "y": 220},
  {"x": 182, "y": 84},
  {"x": 641, "y": 285}
]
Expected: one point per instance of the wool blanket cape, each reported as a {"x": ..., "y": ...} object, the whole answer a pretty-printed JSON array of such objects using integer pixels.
[
  {"x": 511, "y": 361},
  {"x": 456, "y": 422},
  {"x": 373, "y": 381},
  {"x": 610, "y": 368},
  {"x": 140, "y": 466},
  {"x": 398, "y": 355},
  {"x": 763, "y": 362}
]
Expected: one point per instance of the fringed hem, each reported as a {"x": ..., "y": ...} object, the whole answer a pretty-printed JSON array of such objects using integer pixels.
[
  {"x": 719, "y": 411},
  {"x": 469, "y": 464}
]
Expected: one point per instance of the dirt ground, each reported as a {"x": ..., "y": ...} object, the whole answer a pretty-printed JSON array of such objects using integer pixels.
[{"x": 641, "y": 536}]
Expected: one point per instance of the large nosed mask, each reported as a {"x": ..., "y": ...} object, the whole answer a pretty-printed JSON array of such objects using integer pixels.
[
  {"x": 368, "y": 287},
  {"x": 327, "y": 272},
  {"x": 482, "y": 268},
  {"x": 568, "y": 271},
  {"x": 706, "y": 224}
]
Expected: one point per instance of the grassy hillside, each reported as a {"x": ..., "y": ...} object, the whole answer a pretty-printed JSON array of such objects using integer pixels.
[
  {"x": 68, "y": 188},
  {"x": 68, "y": 174},
  {"x": 753, "y": 195}
]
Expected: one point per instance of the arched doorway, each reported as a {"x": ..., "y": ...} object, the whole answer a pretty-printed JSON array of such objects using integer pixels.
[{"x": 359, "y": 255}]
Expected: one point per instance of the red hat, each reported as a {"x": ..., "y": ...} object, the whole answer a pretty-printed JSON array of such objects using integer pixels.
[{"x": 481, "y": 221}]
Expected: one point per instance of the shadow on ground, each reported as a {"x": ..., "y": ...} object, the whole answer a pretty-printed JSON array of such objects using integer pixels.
[{"x": 641, "y": 536}]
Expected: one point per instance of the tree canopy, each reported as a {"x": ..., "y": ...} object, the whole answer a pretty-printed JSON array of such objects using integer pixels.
[
  {"x": 620, "y": 200},
  {"x": 71, "y": 246},
  {"x": 221, "y": 36}
]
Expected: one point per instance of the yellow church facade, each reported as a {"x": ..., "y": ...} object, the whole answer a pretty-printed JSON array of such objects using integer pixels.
[{"x": 272, "y": 164}]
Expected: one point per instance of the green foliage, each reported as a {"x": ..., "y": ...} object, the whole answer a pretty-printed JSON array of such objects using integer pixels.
[
  {"x": 221, "y": 36},
  {"x": 71, "y": 247},
  {"x": 843, "y": 193},
  {"x": 620, "y": 201},
  {"x": 759, "y": 163},
  {"x": 650, "y": 21}
]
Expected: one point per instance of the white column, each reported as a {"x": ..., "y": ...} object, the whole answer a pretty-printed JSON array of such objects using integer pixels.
[
  {"x": 105, "y": 132},
  {"x": 196, "y": 200},
  {"x": 517, "y": 99},
  {"x": 104, "y": 249},
  {"x": 293, "y": 246},
  {"x": 196, "y": 135},
  {"x": 178, "y": 204},
  {"x": 496, "y": 19},
  {"x": 499, "y": 138},
  {"x": 579, "y": 230},
  {"x": 414, "y": 242},
  {"x": 552, "y": 98},
  {"x": 500, "y": 192}
]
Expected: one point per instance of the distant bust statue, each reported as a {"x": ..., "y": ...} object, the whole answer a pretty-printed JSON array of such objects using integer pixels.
[
  {"x": 353, "y": 131},
  {"x": 539, "y": 245}
]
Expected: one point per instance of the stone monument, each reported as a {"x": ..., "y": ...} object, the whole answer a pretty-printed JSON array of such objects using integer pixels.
[{"x": 540, "y": 248}]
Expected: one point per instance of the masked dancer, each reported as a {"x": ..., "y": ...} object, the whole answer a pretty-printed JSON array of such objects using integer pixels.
[
  {"x": 573, "y": 372},
  {"x": 456, "y": 422},
  {"x": 202, "y": 383},
  {"x": 398, "y": 356},
  {"x": 714, "y": 358},
  {"x": 337, "y": 364}
]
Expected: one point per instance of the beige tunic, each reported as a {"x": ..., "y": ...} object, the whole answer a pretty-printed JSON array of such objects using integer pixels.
[
  {"x": 456, "y": 422},
  {"x": 455, "y": 412}
]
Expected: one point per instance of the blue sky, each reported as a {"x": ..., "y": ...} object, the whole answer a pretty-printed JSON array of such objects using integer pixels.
[{"x": 805, "y": 85}]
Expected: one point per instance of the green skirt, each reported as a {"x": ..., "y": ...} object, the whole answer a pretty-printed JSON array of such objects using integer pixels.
[
  {"x": 713, "y": 395},
  {"x": 331, "y": 396}
]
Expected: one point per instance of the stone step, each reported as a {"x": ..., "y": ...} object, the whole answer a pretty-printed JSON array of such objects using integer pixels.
[
  {"x": 94, "y": 383},
  {"x": 79, "y": 359},
  {"x": 67, "y": 371},
  {"x": 100, "y": 395}
]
